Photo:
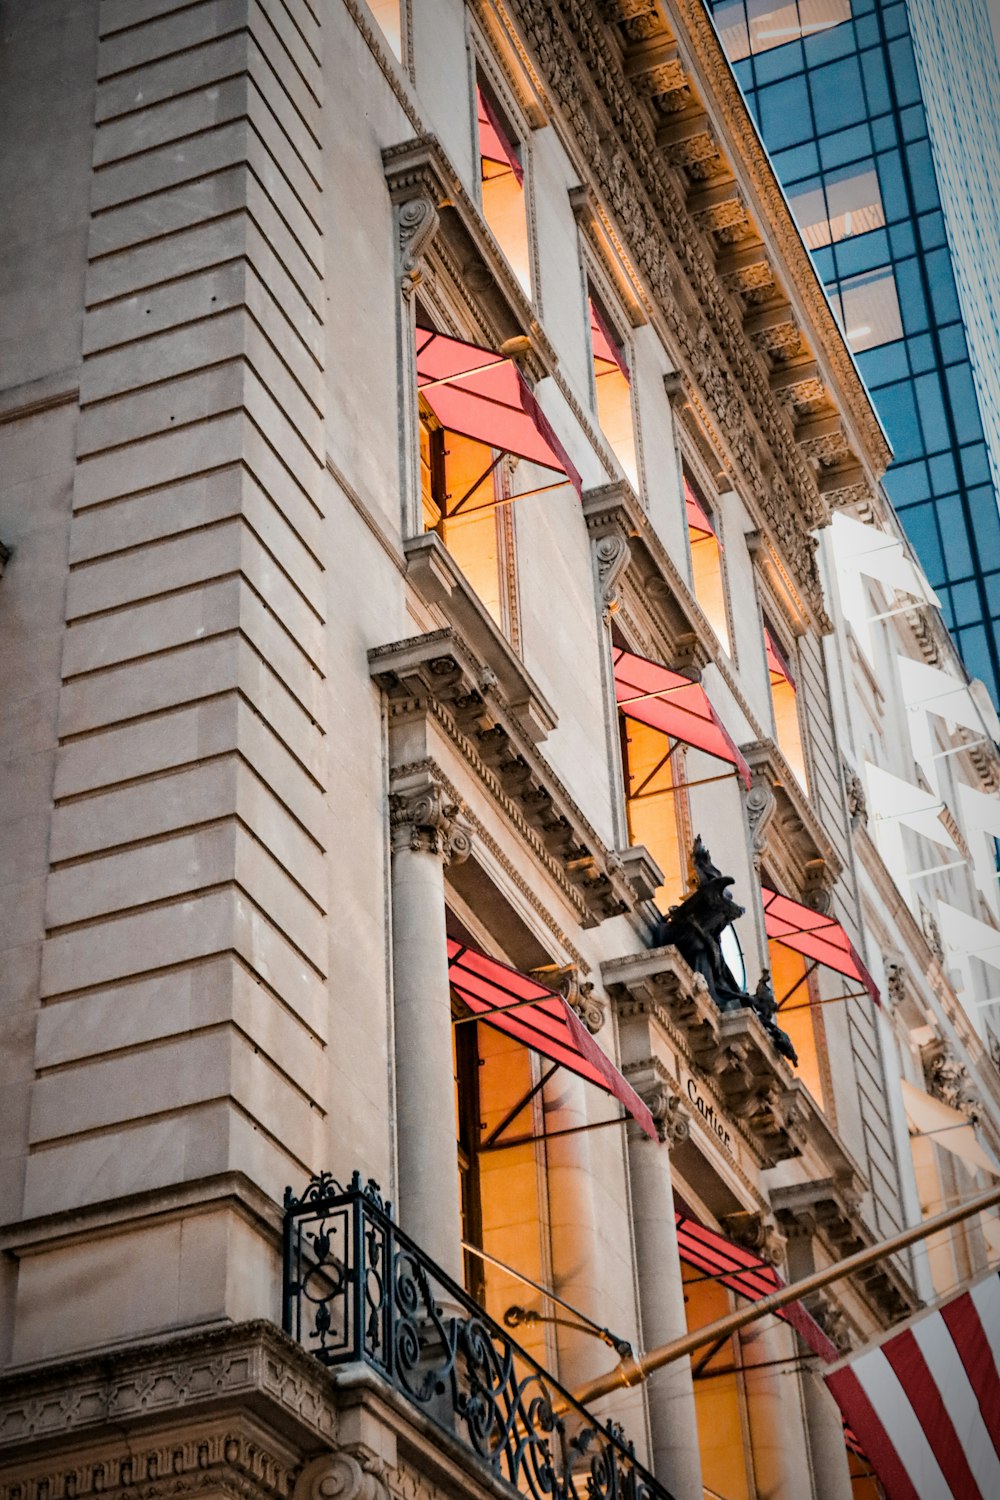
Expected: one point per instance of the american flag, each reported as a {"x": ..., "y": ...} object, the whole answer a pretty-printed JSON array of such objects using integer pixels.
[{"x": 925, "y": 1402}]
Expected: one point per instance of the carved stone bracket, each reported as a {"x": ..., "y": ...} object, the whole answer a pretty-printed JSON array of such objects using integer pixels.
[
  {"x": 669, "y": 1111},
  {"x": 434, "y": 210},
  {"x": 343, "y": 1475},
  {"x": 948, "y": 1080},
  {"x": 854, "y": 792},
  {"x": 757, "y": 1232},
  {"x": 421, "y": 818}
]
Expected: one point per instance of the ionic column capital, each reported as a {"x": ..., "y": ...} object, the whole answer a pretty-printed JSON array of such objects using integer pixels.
[{"x": 425, "y": 819}]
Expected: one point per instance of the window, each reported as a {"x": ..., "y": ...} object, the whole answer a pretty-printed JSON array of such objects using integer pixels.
[
  {"x": 849, "y": 203},
  {"x": 794, "y": 989},
  {"x": 753, "y": 26},
  {"x": 477, "y": 417},
  {"x": 787, "y": 730},
  {"x": 388, "y": 14},
  {"x": 612, "y": 387},
  {"x": 719, "y": 1395},
  {"x": 706, "y": 562},
  {"x": 653, "y": 766},
  {"x": 460, "y": 488},
  {"x": 869, "y": 309},
  {"x": 501, "y": 169}
]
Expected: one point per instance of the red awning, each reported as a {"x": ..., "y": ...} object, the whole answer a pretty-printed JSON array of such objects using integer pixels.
[
  {"x": 815, "y": 936},
  {"x": 541, "y": 1019},
  {"x": 675, "y": 705},
  {"x": 496, "y": 142},
  {"x": 699, "y": 525},
  {"x": 483, "y": 396},
  {"x": 743, "y": 1273}
]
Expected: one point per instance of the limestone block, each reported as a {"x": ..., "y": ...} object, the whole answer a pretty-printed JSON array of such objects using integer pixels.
[
  {"x": 161, "y": 36},
  {"x": 96, "y": 641},
  {"x": 214, "y": 291},
  {"x": 202, "y": 245},
  {"x": 154, "y": 1278},
  {"x": 146, "y": 687},
  {"x": 155, "y": 82}
]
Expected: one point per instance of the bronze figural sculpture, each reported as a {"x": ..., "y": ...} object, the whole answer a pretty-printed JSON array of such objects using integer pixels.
[{"x": 695, "y": 928}]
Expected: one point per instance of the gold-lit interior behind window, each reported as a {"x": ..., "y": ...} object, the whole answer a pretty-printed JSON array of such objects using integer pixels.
[
  {"x": 802, "y": 1021},
  {"x": 709, "y": 583},
  {"x": 787, "y": 729},
  {"x": 460, "y": 490},
  {"x": 502, "y": 1191},
  {"x": 718, "y": 1394},
  {"x": 388, "y": 14},
  {"x": 654, "y": 803},
  {"x": 505, "y": 210}
]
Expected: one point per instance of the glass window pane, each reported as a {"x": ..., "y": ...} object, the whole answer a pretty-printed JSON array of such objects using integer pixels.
[
  {"x": 898, "y": 410},
  {"x": 838, "y": 98},
  {"x": 784, "y": 112},
  {"x": 731, "y": 24},
  {"x": 871, "y": 309}
]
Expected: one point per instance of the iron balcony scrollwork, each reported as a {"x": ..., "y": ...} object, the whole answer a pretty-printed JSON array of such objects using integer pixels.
[{"x": 356, "y": 1288}]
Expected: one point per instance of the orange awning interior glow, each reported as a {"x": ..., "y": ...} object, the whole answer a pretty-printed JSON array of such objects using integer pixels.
[
  {"x": 673, "y": 704},
  {"x": 816, "y": 936},
  {"x": 483, "y": 396},
  {"x": 536, "y": 1016}
]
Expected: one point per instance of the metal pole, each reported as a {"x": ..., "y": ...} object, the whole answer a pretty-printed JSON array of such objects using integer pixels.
[{"x": 632, "y": 1371}]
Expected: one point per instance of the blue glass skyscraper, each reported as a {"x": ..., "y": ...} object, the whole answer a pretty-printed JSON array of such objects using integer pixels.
[{"x": 882, "y": 118}]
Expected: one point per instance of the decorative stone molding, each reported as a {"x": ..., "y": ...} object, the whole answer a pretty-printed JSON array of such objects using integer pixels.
[
  {"x": 832, "y": 1318},
  {"x": 437, "y": 677},
  {"x": 631, "y": 559},
  {"x": 854, "y": 792},
  {"x": 434, "y": 214},
  {"x": 895, "y": 982},
  {"x": 423, "y": 820},
  {"x": 783, "y": 824},
  {"x": 641, "y": 871},
  {"x": 931, "y": 931},
  {"x": 579, "y": 994},
  {"x": 733, "y": 1050},
  {"x": 758, "y": 1232},
  {"x": 670, "y": 1116},
  {"x": 948, "y": 1080}
]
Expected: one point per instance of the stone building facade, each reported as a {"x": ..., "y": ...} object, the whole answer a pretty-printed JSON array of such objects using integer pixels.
[{"x": 381, "y": 388}]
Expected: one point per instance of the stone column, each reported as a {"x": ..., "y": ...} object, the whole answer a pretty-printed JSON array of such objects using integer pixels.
[
  {"x": 425, "y": 837},
  {"x": 670, "y": 1394},
  {"x": 775, "y": 1412},
  {"x": 831, "y": 1472}
]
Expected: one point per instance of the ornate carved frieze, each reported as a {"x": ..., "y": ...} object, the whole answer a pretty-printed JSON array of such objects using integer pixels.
[{"x": 437, "y": 676}]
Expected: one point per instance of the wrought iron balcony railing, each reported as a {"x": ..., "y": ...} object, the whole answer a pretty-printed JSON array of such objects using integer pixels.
[{"x": 356, "y": 1288}]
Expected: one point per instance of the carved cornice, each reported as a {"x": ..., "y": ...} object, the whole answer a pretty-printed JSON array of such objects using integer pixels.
[
  {"x": 725, "y": 378},
  {"x": 755, "y": 1085},
  {"x": 829, "y": 1209},
  {"x": 437, "y": 675}
]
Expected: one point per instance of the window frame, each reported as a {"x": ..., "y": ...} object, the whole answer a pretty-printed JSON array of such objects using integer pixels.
[{"x": 598, "y": 290}]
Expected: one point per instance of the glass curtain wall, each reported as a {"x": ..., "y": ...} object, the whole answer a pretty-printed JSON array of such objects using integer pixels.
[{"x": 834, "y": 88}]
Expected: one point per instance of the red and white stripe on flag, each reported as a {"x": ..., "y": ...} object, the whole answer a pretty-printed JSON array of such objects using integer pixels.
[{"x": 925, "y": 1402}]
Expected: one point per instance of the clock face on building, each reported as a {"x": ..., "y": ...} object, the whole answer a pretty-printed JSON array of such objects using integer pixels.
[{"x": 733, "y": 954}]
